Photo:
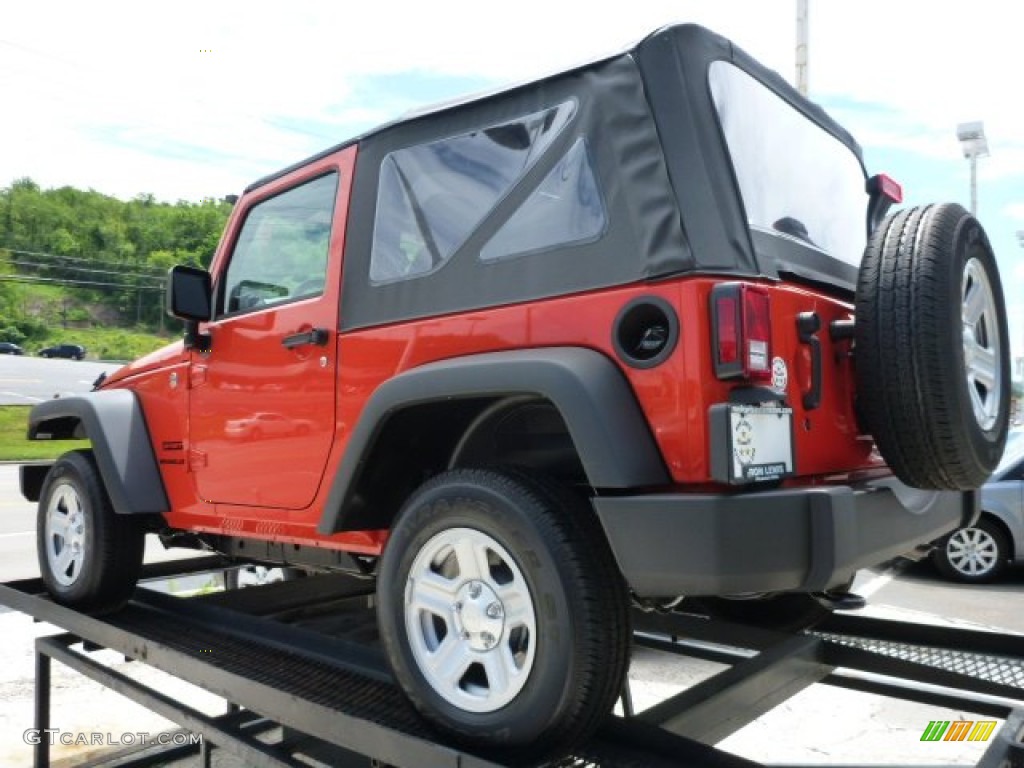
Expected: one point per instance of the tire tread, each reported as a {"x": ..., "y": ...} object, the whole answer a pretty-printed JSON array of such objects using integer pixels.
[
  {"x": 118, "y": 541},
  {"x": 910, "y": 391}
]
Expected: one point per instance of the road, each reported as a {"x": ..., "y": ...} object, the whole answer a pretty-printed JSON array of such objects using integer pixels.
[
  {"x": 18, "y": 537},
  {"x": 27, "y": 380}
]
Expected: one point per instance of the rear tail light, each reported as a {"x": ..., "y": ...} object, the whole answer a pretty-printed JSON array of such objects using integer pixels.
[
  {"x": 886, "y": 186},
  {"x": 741, "y": 322},
  {"x": 882, "y": 191}
]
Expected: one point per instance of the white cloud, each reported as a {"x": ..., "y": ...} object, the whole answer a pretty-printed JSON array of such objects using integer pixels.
[
  {"x": 239, "y": 80},
  {"x": 197, "y": 98}
]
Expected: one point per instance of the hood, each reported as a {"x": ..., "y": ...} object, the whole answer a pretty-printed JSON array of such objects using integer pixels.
[{"x": 165, "y": 357}]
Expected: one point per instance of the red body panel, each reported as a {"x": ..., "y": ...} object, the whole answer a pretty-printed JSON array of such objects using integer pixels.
[{"x": 250, "y": 435}]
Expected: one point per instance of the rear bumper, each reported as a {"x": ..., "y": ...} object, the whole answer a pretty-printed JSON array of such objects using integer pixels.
[{"x": 806, "y": 539}]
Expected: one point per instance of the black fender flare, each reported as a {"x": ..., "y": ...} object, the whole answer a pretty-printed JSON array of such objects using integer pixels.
[
  {"x": 116, "y": 426},
  {"x": 607, "y": 426}
]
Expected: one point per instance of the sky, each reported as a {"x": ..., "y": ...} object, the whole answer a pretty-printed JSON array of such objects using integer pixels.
[{"x": 198, "y": 98}]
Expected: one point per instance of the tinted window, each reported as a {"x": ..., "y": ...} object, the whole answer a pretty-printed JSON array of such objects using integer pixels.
[
  {"x": 281, "y": 252},
  {"x": 432, "y": 196},
  {"x": 566, "y": 208},
  {"x": 796, "y": 179}
]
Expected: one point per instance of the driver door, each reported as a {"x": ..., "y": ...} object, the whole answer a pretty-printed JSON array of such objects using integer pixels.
[{"x": 262, "y": 399}]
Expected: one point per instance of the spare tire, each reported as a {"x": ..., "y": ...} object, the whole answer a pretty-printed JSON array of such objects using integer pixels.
[{"x": 932, "y": 349}]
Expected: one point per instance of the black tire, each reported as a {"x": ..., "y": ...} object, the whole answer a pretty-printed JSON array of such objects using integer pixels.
[
  {"x": 974, "y": 555},
  {"x": 111, "y": 546},
  {"x": 914, "y": 393},
  {"x": 550, "y": 541}
]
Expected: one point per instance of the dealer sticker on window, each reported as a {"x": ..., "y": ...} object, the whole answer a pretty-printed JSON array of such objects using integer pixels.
[{"x": 761, "y": 442}]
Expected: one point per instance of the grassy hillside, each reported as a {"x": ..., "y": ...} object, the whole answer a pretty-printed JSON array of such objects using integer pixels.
[
  {"x": 80, "y": 267},
  {"x": 104, "y": 343},
  {"x": 49, "y": 314},
  {"x": 15, "y": 447}
]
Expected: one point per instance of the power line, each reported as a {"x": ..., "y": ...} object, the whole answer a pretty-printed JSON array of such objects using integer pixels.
[
  {"x": 65, "y": 282},
  {"x": 20, "y": 263},
  {"x": 98, "y": 262}
]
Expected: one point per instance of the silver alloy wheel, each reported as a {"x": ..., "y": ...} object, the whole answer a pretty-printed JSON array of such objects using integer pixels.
[
  {"x": 972, "y": 552},
  {"x": 65, "y": 534},
  {"x": 981, "y": 344},
  {"x": 470, "y": 619}
]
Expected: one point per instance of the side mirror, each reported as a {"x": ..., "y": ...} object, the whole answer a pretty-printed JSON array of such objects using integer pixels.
[
  {"x": 189, "y": 298},
  {"x": 189, "y": 293}
]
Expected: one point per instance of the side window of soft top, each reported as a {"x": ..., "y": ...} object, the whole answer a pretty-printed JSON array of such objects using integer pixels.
[
  {"x": 432, "y": 196},
  {"x": 282, "y": 250}
]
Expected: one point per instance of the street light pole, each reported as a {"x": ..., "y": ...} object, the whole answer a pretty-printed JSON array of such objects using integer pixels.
[
  {"x": 974, "y": 145},
  {"x": 802, "y": 76},
  {"x": 974, "y": 185}
]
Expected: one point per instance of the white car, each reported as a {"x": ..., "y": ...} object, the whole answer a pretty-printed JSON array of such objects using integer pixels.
[{"x": 985, "y": 550}]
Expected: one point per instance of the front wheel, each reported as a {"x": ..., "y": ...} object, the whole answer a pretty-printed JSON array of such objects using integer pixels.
[
  {"x": 502, "y": 612},
  {"x": 89, "y": 557},
  {"x": 975, "y": 554}
]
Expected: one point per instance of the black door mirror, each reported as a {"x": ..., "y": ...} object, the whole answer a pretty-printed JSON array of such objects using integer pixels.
[{"x": 189, "y": 293}]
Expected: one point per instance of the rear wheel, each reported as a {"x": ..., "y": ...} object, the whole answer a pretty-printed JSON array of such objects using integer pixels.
[
  {"x": 89, "y": 557},
  {"x": 502, "y": 611},
  {"x": 932, "y": 348}
]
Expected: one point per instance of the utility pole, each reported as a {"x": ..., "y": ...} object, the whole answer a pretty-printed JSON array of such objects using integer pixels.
[{"x": 802, "y": 64}]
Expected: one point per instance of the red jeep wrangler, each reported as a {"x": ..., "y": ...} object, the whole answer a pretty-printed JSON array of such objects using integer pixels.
[{"x": 636, "y": 331}]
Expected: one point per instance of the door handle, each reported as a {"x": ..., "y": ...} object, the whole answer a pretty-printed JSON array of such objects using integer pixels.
[{"x": 316, "y": 336}]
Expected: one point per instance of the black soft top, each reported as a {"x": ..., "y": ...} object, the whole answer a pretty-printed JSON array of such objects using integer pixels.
[{"x": 651, "y": 126}]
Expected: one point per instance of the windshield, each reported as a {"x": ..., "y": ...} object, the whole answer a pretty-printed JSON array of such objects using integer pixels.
[{"x": 798, "y": 182}]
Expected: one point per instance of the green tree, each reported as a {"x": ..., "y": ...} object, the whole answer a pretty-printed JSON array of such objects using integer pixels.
[{"x": 105, "y": 258}]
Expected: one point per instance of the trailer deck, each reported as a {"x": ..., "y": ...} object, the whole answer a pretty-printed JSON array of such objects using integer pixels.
[{"x": 301, "y": 657}]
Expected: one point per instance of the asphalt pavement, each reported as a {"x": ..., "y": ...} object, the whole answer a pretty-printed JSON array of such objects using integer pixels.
[
  {"x": 18, "y": 533},
  {"x": 26, "y": 380}
]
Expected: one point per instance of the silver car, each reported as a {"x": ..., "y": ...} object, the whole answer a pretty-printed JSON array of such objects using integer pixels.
[{"x": 983, "y": 551}]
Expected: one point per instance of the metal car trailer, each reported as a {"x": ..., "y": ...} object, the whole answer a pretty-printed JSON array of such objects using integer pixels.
[{"x": 299, "y": 660}]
